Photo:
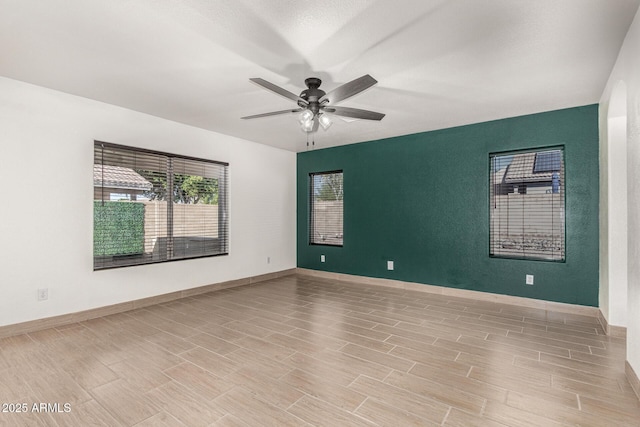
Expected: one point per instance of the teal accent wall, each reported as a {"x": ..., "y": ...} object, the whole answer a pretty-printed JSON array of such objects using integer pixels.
[{"x": 422, "y": 200}]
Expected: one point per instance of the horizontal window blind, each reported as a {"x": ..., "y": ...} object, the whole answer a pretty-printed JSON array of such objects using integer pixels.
[
  {"x": 155, "y": 207},
  {"x": 326, "y": 208},
  {"x": 527, "y": 205}
]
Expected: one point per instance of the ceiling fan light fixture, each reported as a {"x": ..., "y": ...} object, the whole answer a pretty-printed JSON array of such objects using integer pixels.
[
  {"x": 305, "y": 116},
  {"x": 325, "y": 121},
  {"x": 307, "y": 125}
]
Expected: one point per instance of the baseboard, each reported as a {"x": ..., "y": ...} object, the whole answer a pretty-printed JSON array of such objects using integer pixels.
[
  {"x": 461, "y": 293},
  {"x": 611, "y": 330},
  {"x": 65, "y": 319},
  {"x": 633, "y": 378}
]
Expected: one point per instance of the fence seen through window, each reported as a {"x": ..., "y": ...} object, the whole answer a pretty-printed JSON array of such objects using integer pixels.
[
  {"x": 153, "y": 207},
  {"x": 527, "y": 205},
  {"x": 326, "y": 208}
]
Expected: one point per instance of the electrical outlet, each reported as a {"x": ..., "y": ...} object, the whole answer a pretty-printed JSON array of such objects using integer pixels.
[
  {"x": 322, "y": 258},
  {"x": 43, "y": 294},
  {"x": 529, "y": 279},
  {"x": 268, "y": 260},
  {"x": 389, "y": 265}
]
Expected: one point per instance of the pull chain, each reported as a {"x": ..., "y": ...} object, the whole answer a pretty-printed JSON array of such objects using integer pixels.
[{"x": 313, "y": 140}]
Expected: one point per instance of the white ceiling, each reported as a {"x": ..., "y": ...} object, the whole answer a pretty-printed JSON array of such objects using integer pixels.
[{"x": 439, "y": 63}]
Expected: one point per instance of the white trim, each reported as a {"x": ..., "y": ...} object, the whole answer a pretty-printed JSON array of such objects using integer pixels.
[
  {"x": 461, "y": 293},
  {"x": 81, "y": 316}
]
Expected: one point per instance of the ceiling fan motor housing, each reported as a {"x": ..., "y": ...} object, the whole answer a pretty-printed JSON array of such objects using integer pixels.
[{"x": 312, "y": 95}]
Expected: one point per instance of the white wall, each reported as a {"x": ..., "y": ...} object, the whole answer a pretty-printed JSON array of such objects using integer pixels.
[
  {"x": 613, "y": 210},
  {"x": 46, "y": 213},
  {"x": 627, "y": 69}
]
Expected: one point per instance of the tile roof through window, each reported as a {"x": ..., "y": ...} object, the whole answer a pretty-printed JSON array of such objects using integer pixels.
[
  {"x": 119, "y": 177},
  {"x": 523, "y": 168}
]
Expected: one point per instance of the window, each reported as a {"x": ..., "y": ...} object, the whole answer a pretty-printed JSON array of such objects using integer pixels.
[
  {"x": 154, "y": 207},
  {"x": 527, "y": 205},
  {"x": 326, "y": 194}
]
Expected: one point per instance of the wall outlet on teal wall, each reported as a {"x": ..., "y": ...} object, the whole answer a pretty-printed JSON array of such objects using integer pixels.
[
  {"x": 322, "y": 258},
  {"x": 389, "y": 265}
]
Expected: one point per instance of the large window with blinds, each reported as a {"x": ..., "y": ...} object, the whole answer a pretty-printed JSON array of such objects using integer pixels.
[
  {"x": 326, "y": 192},
  {"x": 527, "y": 205},
  {"x": 150, "y": 207}
]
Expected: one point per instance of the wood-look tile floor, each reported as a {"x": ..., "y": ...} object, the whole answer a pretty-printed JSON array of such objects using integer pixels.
[{"x": 301, "y": 351}]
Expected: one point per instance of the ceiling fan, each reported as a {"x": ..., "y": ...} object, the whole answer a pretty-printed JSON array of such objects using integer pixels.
[{"x": 313, "y": 102}]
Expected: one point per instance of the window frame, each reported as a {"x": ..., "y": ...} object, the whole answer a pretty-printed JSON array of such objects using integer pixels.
[
  {"x": 563, "y": 213},
  {"x": 222, "y": 203},
  {"x": 312, "y": 228}
]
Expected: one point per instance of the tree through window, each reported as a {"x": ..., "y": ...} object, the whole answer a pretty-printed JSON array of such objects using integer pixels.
[{"x": 153, "y": 207}]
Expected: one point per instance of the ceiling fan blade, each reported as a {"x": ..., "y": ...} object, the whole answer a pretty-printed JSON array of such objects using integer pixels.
[
  {"x": 273, "y": 113},
  {"x": 277, "y": 89},
  {"x": 355, "y": 113},
  {"x": 349, "y": 89}
]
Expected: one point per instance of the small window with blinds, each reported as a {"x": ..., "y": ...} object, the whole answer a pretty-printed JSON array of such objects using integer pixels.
[
  {"x": 326, "y": 212},
  {"x": 527, "y": 209},
  {"x": 150, "y": 207}
]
